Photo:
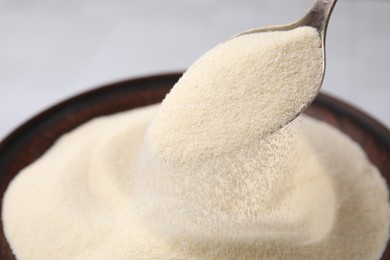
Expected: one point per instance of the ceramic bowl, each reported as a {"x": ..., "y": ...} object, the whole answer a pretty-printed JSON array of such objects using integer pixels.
[{"x": 28, "y": 142}]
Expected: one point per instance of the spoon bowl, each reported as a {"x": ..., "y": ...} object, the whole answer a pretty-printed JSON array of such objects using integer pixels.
[{"x": 318, "y": 18}]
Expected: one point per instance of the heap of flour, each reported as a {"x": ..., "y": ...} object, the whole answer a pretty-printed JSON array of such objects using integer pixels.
[{"x": 208, "y": 174}]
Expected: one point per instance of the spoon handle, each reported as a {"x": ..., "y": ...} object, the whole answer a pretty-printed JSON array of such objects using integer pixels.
[{"x": 318, "y": 15}]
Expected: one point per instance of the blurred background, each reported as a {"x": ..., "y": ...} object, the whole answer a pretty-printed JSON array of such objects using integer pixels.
[{"x": 51, "y": 50}]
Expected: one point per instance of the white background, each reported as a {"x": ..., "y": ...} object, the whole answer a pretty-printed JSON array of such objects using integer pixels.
[{"x": 51, "y": 49}]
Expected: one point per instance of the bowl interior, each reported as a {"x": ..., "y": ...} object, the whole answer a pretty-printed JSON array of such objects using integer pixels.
[{"x": 32, "y": 139}]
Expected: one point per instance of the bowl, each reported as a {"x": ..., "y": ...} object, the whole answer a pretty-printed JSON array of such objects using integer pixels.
[{"x": 29, "y": 141}]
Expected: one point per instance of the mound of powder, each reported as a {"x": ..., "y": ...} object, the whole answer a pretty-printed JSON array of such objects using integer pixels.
[
  {"x": 75, "y": 202},
  {"x": 209, "y": 174},
  {"x": 238, "y": 92},
  {"x": 258, "y": 189}
]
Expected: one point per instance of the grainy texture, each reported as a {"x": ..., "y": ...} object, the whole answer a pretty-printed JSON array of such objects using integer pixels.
[
  {"x": 19, "y": 149},
  {"x": 257, "y": 189},
  {"x": 252, "y": 191},
  {"x": 91, "y": 205},
  {"x": 216, "y": 136},
  {"x": 237, "y": 93}
]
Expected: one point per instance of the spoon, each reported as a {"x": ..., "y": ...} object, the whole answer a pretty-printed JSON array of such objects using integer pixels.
[
  {"x": 189, "y": 110},
  {"x": 318, "y": 18}
]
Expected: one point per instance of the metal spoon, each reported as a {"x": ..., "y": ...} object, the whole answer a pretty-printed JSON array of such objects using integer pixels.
[{"x": 318, "y": 18}]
